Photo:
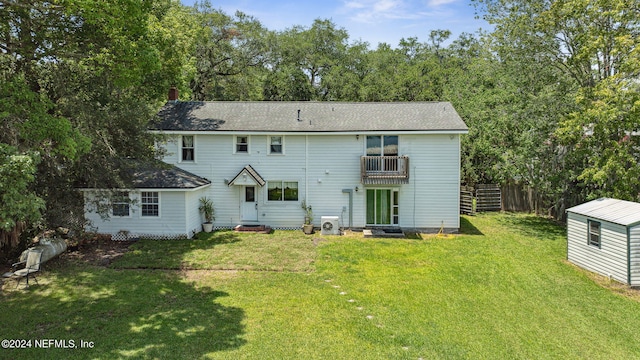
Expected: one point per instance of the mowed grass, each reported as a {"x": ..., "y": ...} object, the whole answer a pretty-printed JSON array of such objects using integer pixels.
[
  {"x": 225, "y": 250},
  {"x": 502, "y": 290}
]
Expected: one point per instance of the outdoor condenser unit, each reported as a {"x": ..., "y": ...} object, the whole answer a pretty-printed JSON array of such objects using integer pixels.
[{"x": 330, "y": 225}]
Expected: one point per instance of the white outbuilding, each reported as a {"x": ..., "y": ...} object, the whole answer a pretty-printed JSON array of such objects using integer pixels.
[{"x": 603, "y": 236}]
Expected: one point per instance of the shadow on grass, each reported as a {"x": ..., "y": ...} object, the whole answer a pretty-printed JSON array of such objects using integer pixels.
[
  {"x": 534, "y": 226},
  {"x": 467, "y": 228},
  {"x": 126, "y": 314}
]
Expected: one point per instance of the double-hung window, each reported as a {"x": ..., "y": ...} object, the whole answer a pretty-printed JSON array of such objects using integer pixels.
[
  {"x": 242, "y": 145},
  {"x": 188, "y": 148},
  {"x": 282, "y": 190},
  {"x": 120, "y": 204},
  {"x": 276, "y": 145},
  {"x": 150, "y": 203}
]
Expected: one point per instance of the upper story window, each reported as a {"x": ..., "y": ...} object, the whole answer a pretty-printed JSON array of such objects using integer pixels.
[
  {"x": 594, "y": 233},
  {"x": 188, "y": 148},
  {"x": 120, "y": 204},
  {"x": 242, "y": 145},
  {"x": 378, "y": 145},
  {"x": 150, "y": 203},
  {"x": 276, "y": 145},
  {"x": 282, "y": 190}
]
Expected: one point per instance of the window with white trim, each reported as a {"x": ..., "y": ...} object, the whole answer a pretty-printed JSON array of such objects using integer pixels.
[
  {"x": 242, "y": 145},
  {"x": 282, "y": 190},
  {"x": 276, "y": 145},
  {"x": 120, "y": 204},
  {"x": 188, "y": 148},
  {"x": 150, "y": 203},
  {"x": 594, "y": 233}
]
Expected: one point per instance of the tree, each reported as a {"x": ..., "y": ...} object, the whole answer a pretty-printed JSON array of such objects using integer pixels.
[
  {"x": 20, "y": 203},
  {"x": 76, "y": 76},
  {"x": 603, "y": 38},
  {"x": 229, "y": 55},
  {"x": 314, "y": 51},
  {"x": 572, "y": 64}
]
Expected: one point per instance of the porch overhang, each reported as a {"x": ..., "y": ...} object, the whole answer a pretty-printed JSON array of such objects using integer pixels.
[{"x": 248, "y": 176}]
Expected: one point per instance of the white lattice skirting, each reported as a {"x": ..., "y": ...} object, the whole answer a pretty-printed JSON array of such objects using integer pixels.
[{"x": 124, "y": 236}]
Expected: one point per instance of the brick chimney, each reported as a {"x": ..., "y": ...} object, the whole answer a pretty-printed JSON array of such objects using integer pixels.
[{"x": 173, "y": 94}]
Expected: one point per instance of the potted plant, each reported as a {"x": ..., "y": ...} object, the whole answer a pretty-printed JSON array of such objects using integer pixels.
[
  {"x": 208, "y": 212},
  {"x": 307, "y": 227}
]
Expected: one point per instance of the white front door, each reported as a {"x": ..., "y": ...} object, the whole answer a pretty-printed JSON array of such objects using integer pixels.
[{"x": 249, "y": 204}]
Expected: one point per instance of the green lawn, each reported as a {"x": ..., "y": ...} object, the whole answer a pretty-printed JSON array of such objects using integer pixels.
[{"x": 503, "y": 290}]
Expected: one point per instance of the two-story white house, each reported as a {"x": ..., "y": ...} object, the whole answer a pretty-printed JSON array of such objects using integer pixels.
[{"x": 369, "y": 164}]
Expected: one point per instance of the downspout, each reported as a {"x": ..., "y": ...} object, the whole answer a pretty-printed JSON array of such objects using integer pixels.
[
  {"x": 350, "y": 192},
  {"x": 306, "y": 166},
  {"x": 414, "y": 196}
]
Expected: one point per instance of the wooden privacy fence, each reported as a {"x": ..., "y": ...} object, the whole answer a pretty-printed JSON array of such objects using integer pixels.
[
  {"x": 522, "y": 197},
  {"x": 519, "y": 197}
]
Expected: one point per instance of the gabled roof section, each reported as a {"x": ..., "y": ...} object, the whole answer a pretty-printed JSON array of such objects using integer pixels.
[
  {"x": 612, "y": 210},
  {"x": 240, "y": 116},
  {"x": 163, "y": 176},
  {"x": 251, "y": 173}
]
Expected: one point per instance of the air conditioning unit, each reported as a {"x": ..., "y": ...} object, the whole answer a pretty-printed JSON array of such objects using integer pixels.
[{"x": 330, "y": 225}]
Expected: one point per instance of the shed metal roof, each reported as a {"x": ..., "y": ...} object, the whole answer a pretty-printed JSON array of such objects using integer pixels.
[
  {"x": 612, "y": 210},
  {"x": 308, "y": 116}
]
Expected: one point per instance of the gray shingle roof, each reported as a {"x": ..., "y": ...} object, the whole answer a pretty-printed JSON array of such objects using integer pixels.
[
  {"x": 314, "y": 117},
  {"x": 612, "y": 210},
  {"x": 163, "y": 176}
]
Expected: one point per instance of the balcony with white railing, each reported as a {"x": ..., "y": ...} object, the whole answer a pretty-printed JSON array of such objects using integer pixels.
[{"x": 384, "y": 169}]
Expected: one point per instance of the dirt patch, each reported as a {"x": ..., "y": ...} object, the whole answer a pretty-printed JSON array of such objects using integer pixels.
[{"x": 98, "y": 251}]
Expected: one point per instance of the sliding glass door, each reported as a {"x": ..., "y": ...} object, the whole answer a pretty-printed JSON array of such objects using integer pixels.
[{"x": 382, "y": 207}]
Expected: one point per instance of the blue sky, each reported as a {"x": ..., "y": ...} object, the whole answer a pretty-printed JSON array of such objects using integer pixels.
[{"x": 373, "y": 21}]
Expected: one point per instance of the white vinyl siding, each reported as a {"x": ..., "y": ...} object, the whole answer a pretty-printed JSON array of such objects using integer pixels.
[
  {"x": 171, "y": 224},
  {"x": 434, "y": 181},
  {"x": 610, "y": 259},
  {"x": 323, "y": 166},
  {"x": 193, "y": 217}
]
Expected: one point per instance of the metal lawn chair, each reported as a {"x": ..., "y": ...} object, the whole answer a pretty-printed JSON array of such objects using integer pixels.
[{"x": 31, "y": 267}]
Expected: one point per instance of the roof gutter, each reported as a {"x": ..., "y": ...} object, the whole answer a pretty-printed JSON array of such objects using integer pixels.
[
  {"x": 280, "y": 132},
  {"x": 147, "y": 189}
]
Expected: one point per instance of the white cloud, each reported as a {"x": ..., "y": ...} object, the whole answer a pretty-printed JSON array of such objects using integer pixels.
[
  {"x": 370, "y": 11},
  {"x": 436, "y": 3},
  {"x": 386, "y": 6},
  {"x": 354, "y": 5},
  {"x": 375, "y": 11}
]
